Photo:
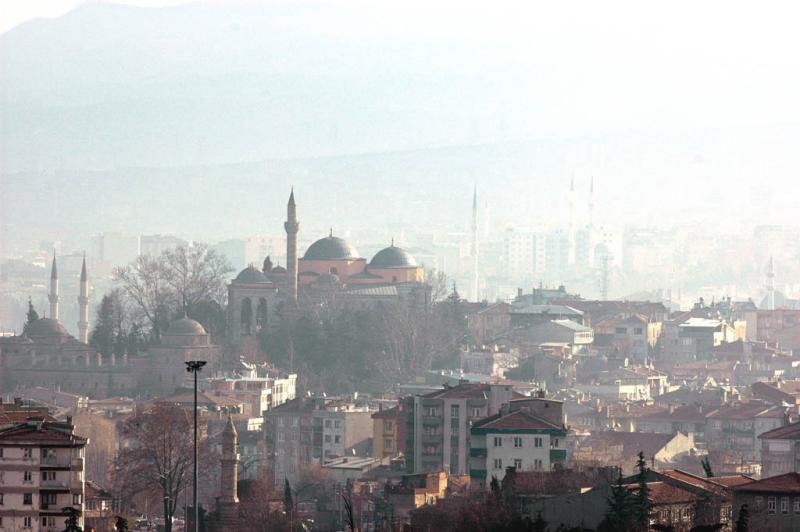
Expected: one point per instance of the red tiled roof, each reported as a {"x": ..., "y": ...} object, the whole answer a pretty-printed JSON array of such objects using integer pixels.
[
  {"x": 19, "y": 416},
  {"x": 789, "y": 432},
  {"x": 461, "y": 391},
  {"x": 682, "y": 413},
  {"x": 733, "y": 480},
  {"x": 515, "y": 420},
  {"x": 713, "y": 483},
  {"x": 46, "y": 432},
  {"x": 634, "y": 411},
  {"x": 661, "y": 493},
  {"x": 742, "y": 411},
  {"x": 632, "y": 442},
  {"x": 786, "y": 483}
]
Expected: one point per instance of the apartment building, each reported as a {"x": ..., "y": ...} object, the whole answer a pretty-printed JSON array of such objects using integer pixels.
[
  {"x": 438, "y": 424},
  {"x": 41, "y": 475}
]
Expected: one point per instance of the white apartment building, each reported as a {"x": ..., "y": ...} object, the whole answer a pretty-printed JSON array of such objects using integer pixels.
[{"x": 41, "y": 475}]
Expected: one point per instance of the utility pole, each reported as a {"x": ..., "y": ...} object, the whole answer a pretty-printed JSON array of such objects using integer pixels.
[{"x": 194, "y": 366}]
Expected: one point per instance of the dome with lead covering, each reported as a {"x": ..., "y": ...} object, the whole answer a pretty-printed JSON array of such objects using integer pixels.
[
  {"x": 45, "y": 327},
  {"x": 331, "y": 248},
  {"x": 251, "y": 275},
  {"x": 185, "y": 326},
  {"x": 393, "y": 257}
]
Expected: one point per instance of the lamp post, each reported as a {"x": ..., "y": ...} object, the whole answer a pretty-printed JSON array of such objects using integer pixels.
[{"x": 194, "y": 366}]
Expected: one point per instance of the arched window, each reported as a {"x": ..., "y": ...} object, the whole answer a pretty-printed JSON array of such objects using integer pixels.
[
  {"x": 247, "y": 316},
  {"x": 261, "y": 314}
]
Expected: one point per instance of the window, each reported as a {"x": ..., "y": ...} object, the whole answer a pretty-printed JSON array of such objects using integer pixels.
[
  {"x": 517, "y": 442},
  {"x": 759, "y": 503},
  {"x": 26, "y": 522},
  {"x": 498, "y": 441},
  {"x": 687, "y": 513},
  {"x": 337, "y": 439},
  {"x": 621, "y": 330},
  {"x": 518, "y": 464},
  {"x": 337, "y": 424},
  {"x": 27, "y": 477},
  {"x": 48, "y": 498},
  {"x": 537, "y": 464},
  {"x": 537, "y": 442},
  {"x": 1, "y": 498},
  {"x": 327, "y": 438},
  {"x": 453, "y": 410},
  {"x": 797, "y": 505},
  {"x": 48, "y": 475},
  {"x": 27, "y": 452},
  {"x": 476, "y": 412},
  {"x": 784, "y": 505},
  {"x": 432, "y": 411},
  {"x": 76, "y": 499},
  {"x": 328, "y": 423},
  {"x": 387, "y": 444},
  {"x": 388, "y": 425},
  {"x": 771, "y": 505},
  {"x": 27, "y": 498},
  {"x": 1, "y": 452},
  {"x": 498, "y": 463},
  {"x": 554, "y": 442},
  {"x": 280, "y": 421},
  {"x": 281, "y": 436},
  {"x": 638, "y": 331}
]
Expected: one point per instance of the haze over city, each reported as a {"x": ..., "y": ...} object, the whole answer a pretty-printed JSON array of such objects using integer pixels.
[{"x": 370, "y": 265}]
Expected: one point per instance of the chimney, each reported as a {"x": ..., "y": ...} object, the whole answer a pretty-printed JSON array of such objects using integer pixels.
[{"x": 671, "y": 409}]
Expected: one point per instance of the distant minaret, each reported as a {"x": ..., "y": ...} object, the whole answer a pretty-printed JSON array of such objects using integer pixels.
[
  {"x": 228, "y": 500},
  {"x": 571, "y": 222},
  {"x": 53, "y": 296},
  {"x": 591, "y": 202},
  {"x": 475, "y": 287},
  {"x": 292, "y": 228},
  {"x": 771, "y": 284},
  {"x": 83, "y": 305}
]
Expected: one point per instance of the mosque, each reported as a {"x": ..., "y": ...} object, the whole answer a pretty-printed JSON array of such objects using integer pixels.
[
  {"x": 330, "y": 268},
  {"x": 46, "y": 355}
]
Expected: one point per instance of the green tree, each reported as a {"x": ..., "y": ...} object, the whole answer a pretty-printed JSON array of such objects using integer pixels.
[
  {"x": 104, "y": 332},
  {"x": 539, "y": 524},
  {"x": 621, "y": 513},
  {"x": 742, "y": 522},
  {"x": 706, "y": 463},
  {"x": 120, "y": 524},
  {"x": 644, "y": 505},
  {"x": 73, "y": 519},
  {"x": 30, "y": 316}
]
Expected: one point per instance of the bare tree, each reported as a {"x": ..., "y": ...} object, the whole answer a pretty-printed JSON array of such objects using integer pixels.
[
  {"x": 143, "y": 282},
  {"x": 195, "y": 274},
  {"x": 157, "y": 456}
]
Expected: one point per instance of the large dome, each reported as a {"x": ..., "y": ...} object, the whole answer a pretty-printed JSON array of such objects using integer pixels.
[
  {"x": 330, "y": 248},
  {"x": 393, "y": 257},
  {"x": 184, "y": 326},
  {"x": 44, "y": 327},
  {"x": 251, "y": 275}
]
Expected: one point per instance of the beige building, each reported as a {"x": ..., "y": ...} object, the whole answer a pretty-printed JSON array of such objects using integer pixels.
[{"x": 41, "y": 470}]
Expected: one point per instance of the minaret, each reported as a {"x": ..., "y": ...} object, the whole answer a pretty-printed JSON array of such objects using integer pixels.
[
  {"x": 228, "y": 500},
  {"x": 475, "y": 287},
  {"x": 292, "y": 228},
  {"x": 53, "y": 296},
  {"x": 771, "y": 284},
  {"x": 591, "y": 202},
  {"x": 571, "y": 223},
  {"x": 83, "y": 305}
]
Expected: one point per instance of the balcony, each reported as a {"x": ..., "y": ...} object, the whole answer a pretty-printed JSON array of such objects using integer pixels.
[
  {"x": 56, "y": 461},
  {"x": 55, "y": 484}
]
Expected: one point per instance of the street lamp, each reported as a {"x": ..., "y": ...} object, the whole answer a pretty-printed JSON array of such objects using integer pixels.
[{"x": 194, "y": 366}]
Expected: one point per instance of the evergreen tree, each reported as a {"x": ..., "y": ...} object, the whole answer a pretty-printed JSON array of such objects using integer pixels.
[
  {"x": 103, "y": 335},
  {"x": 31, "y": 315},
  {"x": 120, "y": 524},
  {"x": 73, "y": 515},
  {"x": 494, "y": 487},
  {"x": 288, "y": 501},
  {"x": 643, "y": 504},
  {"x": 539, "y": 524},
  {"x": 743, "y": 519},
  {"x": 621, "y": 513},
  {"x": 706, "y": 463}
]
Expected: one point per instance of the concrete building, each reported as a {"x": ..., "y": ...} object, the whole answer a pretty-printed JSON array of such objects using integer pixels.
[
  {"x": 772, "y": 503},
  {"x": 780, "y": 450},
  {"x": 437, "y": 424},
  {"x": 41, "y": 467},
  {"x": 517, "y": 437},
  {"x": 388, "y": 432}
]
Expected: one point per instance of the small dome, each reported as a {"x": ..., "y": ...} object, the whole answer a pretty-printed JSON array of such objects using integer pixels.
[
  {"x": 184, "y": 326},
  {"x": 393, "y": 257},
  {"x": 45, "y": 327},
  {"x": 330, "y": 248},
  {"x": 251, "y": 275},
  {"x": 278, "y": 269}
]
